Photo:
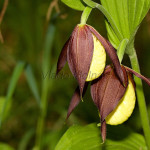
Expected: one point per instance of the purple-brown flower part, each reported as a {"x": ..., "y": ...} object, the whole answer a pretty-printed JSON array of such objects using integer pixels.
[
  {"x": 111, "y": 52},
  {"x": 106, "y": 93},
  {"x": 79, "y": 55},
  {"x": 62, "y": 57},
  {"x": 147, "y": 80},
  {"x": 78, "y": 51},
  {"x": 76, "y": 98},
  {"x": 107, "y": 90}
]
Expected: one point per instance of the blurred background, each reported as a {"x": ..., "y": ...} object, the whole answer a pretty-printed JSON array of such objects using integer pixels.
[{"x": 33, "y": 102}]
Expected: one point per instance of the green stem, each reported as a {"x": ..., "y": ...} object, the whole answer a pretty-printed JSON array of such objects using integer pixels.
[
  {"x": 40, "y": 124},
  {"x": 85, "y": 15},
  {"x": 107, "y": 15},
  {"x": 141, "y": 98},
  {"x": 121, "y": 49},
  {"x": 46, "y": 85}
]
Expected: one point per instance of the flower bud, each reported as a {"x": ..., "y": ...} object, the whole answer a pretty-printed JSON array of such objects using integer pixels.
[{"x": 125, "y": 107}]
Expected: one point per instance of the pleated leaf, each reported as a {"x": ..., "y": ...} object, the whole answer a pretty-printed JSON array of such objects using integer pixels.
[
  {"x": 127, "y": 15},
  {"x": 89, "y": 138}
]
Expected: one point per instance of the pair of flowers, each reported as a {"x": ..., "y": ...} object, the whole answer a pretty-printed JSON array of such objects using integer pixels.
[{"x": 112, "y": 87}]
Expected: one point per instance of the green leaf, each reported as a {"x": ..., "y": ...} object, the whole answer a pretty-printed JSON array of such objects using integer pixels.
[
  {"x": 74, "y": 4},
  {"x": 127, "y": 15},
  {"x": 7, "y": 109},
  {"x": 26, "y": 139},
  {"x": 11, "y": 88},
  {"x": 32, "y": 83},
  {"x": 121, "y": 49},
  {"x": 4, "y": 146},
  {"x": 88, "y": 138},
  {"x": 51, "y": 138}
]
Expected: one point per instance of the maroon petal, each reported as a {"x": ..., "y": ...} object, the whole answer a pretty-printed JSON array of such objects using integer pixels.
[
  {"x": 139, "y": 75},
  {"x": 107, "y": 91},
  {"x": 103, "y": 130},
  {"x": 80, "y": 54},
  {"x": 76, "y": 98},
  {"x": 62, "y": 57},
  {"x": 111, "y": 52}
]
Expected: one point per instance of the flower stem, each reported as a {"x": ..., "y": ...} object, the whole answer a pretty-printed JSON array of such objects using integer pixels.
[
  {"x": 85, "y": 15},
  {"x": 141, "y": 98},
  {"x": 107, "y": 15}
]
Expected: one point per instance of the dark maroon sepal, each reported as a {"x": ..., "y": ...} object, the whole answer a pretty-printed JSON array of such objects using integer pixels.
[
  {"x": 103, "y": 130},
  {"x": 80, "y": 54},
  {"x": 62, "y": 57},
  {"x": 107, "y": 91},
  {"x": 76, "y": 98}
]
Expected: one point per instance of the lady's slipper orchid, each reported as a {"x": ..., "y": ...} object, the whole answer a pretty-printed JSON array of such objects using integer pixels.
[
  {"x": 113, "y": 92},
  {"x": 114, "y": 101},
  {"x": 85, "y": 53}
]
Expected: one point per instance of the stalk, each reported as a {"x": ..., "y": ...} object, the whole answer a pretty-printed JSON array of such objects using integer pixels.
[
  {"x": 85, "y": 15},
  {"x": 140, "y": 97},
  {"x": 107, "y": 15}
]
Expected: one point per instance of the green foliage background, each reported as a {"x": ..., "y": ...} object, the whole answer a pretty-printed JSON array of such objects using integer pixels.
[{"x": 24, "y": 31}]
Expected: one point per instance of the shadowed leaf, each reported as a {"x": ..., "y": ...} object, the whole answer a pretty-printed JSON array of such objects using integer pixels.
[{"x": 88, "y": 138}]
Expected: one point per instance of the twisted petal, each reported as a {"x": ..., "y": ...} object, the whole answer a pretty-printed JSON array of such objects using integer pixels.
[{"x": 147, "y": 80}]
